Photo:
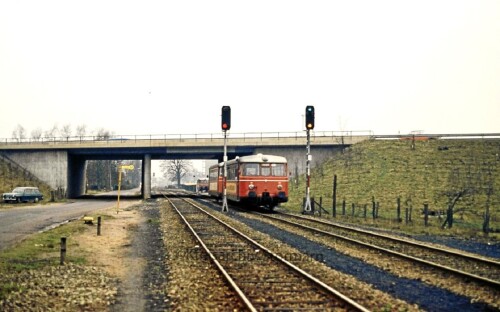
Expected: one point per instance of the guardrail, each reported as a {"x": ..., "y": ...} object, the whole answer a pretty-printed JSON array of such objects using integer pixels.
[
  {"x": 421, "y": 136},
  {"x": 183, "y": 137}
]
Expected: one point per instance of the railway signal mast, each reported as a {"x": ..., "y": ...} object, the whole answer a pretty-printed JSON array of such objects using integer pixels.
[
  {"x": 309, "y": 126},
  {"x": 226, "y": 125}
]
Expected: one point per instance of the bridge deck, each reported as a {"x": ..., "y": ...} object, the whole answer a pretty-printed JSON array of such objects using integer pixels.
[{"x": 265, "y": 139}]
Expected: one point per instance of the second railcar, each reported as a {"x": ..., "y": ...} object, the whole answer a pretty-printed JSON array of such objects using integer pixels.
[
  {"x": 202, "y": 185},
  {"x": 258, "y": 180}
]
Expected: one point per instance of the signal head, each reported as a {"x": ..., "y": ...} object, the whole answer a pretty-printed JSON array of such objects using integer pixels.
[
  {"x": 309, "y": 117},
  {"x": 226, "y": 118}
]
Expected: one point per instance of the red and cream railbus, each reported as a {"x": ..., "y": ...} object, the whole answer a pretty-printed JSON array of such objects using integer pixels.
[{"x": 259, "y": 180}]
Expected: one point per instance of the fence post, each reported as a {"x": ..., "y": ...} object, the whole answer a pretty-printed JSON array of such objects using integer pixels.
[
  {"x": 63, "y": 250},
  {"x": 320, "y": 205},
  {"x": 398, "y": 210},
  {"x": 374, "y": 213},
  {"x": 343, "y": 207},
  {"x": 99, "y": 226},
  {"x": 334, "y": 203},
  {"x": 352, "y": 209},
  {"x": 426, "y": 214}
]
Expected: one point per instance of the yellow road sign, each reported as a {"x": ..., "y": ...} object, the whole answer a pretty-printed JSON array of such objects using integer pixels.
[{"x": 129, "y": 167}]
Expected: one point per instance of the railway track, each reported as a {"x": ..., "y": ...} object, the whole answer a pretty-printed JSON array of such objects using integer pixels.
[
  {"x": 470, "y": 267},
  {"x": 262, "y": 279}
]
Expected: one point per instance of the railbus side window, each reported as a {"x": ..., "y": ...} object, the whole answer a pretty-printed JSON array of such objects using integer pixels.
[
  {"x": 213, "y": 174},
  {"x": 231, "y": 172}
]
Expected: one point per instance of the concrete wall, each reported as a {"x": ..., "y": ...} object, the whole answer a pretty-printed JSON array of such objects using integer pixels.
[
  {"x": 146, "y": 176},
  {"x": 49, "y": 166},
  {"x": 77, "y": 168}
]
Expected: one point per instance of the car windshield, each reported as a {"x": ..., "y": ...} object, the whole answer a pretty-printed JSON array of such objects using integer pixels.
[{"x": 18, "y": 190}]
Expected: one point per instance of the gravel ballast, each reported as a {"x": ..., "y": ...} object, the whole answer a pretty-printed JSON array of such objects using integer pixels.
[{"x": 414, "y": 291}]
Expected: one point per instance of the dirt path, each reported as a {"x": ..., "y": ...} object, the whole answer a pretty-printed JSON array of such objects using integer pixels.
[{"x": 130, "y": 248}]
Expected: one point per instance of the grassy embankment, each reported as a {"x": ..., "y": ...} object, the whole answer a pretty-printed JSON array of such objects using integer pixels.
[
  {"x": 12, "y": 176},
  {"x": 432, "y": 172}
]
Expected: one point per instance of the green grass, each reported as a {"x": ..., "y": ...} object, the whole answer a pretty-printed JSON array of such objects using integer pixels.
[
  {"x": 426, "y": 174},
  {"x": 44, "y": 249}
]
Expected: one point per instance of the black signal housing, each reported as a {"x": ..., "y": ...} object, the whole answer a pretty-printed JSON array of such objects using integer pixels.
[
  {"x": 226, "y": 118},
  {"x": 309, "y": 117}
]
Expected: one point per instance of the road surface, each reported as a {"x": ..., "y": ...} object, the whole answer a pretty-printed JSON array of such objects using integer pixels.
[{"x": 18, "y": 223}]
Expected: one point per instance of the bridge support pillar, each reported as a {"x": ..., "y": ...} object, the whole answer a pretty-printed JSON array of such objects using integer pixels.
[
  {"x": 77, "y": 167},
  {"x": 146, "y": 176}
]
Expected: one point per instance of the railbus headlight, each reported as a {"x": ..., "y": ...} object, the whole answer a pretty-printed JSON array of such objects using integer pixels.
[
  {"x": 280, "y": 187},
  {"x": 251, "y": 186}
]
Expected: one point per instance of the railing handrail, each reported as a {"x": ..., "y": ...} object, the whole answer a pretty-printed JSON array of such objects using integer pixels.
[
  {"x": 180, "y": 137},
  {"x": 243, "y": 135}
]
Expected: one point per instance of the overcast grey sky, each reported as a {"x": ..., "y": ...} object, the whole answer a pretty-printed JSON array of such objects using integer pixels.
[{"x": 164, "y": 67}]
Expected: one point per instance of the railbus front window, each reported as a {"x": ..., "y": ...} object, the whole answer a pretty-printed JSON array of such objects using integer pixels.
[
  {"x": 251, "y": 169},
  {"x": 278, "y": 170},
  {"x": 265, "y": 170}
]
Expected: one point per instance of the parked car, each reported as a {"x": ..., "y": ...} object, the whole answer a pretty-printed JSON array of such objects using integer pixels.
[{"x": 23, "y": 194}]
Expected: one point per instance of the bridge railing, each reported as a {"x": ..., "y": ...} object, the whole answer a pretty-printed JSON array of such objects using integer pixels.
[
  {"x": 338, "y": 137},
  {"x": 335, "y": 135}
]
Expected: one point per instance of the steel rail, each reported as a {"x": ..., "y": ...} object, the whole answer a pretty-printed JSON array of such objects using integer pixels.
[
  {"x": 399, "y": 240},
  {"x": 351, "y": 303},
  {"x": 490, "y": 282},
  {"x": 221, "y": 269}
]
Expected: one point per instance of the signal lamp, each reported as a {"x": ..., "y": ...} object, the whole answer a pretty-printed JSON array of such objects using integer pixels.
[
  {"x": 226, "y": 118},
  {"x": 309, "y": 117}
]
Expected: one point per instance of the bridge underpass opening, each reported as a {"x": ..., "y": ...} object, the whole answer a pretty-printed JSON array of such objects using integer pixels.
[
  {"x": 164, "y": 173},
  {"x": 101, "y": 176}
]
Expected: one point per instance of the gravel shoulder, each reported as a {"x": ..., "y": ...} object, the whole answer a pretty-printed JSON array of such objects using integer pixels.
[{"x": 124, "y": 269}]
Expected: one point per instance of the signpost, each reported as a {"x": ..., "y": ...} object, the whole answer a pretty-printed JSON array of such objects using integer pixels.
[{"x": 120, "y": 169}]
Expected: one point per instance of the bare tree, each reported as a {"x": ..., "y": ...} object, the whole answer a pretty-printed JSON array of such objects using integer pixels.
[
  {"x": 53, "y": 132},
  {"x": 103, "y": 134},
  {"x": 36, "y": 134},
  {"x": 343, "y": 133},
  {"x": 463, "y": 184},
  {"x": 176, "y": 169},
  {"x": 81, "y": 130},
  {"x": 66, "y": 131},
  {"x": 19, "y": 133}
]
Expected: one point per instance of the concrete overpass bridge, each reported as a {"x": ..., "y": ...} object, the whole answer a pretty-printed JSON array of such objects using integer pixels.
[{"x": 61, "y": 162}]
